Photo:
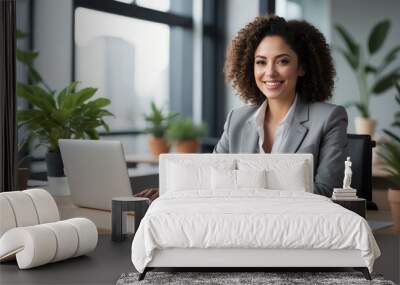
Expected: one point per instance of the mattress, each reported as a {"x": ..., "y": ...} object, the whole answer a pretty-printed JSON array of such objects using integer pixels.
[{"x": 250, "y": 219}]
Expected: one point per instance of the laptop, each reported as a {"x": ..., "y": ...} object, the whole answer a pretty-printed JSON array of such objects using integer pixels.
[{"x": 97, "y": 171}]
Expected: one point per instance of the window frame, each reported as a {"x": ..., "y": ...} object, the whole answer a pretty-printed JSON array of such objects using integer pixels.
[
  {"x": 132, "y": 11},
  {"x": 267, "y": 7},
  {"x": 213, "y": 98}
]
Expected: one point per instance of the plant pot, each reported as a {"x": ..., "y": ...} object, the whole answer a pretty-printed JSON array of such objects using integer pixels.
[
  {"x": 55, "y": 166},
  {"x": 22, "y": 178},
  {"x": 57, "y": 182},
  {"x": 158, "y": 146},
  {"x": 365, "y": 126},
  {"x": 187, "y": 146},
  {"x": 394, "y": 201}
]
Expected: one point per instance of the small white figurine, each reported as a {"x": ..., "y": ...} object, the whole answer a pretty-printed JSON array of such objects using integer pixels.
[{"x": 347, "y": 174}]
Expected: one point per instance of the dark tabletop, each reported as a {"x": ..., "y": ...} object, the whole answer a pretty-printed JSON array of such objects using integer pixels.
[{"x": 102, "y": 266}]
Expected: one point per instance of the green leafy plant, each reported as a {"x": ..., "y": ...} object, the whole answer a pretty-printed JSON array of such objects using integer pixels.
[
  {"x": 63, "y": 115},
  {"x": 389, "y": 151},
  {"x": 66, "y": 115},
  {"x": 185, "y": 129},
  {"x": 158, "y": 121},
  {"x": 366, "y": 72}
]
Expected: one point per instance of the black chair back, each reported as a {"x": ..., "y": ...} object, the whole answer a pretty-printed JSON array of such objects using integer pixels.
[{"x": 360, "y": 150}]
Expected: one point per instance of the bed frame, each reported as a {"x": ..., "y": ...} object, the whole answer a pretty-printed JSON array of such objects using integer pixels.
[
  {"x": 246, "y": 258},
  {"x": 256, "y": 258}
]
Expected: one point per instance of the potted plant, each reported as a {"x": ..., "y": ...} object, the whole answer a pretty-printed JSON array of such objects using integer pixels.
[
  {"x": 372, "y": 79},
  {"x": 158, "y": 125},
  {"x": 186, "y": 135},
  {"x": 68, "y": 114},
  {"x": 389, "y": 151}
]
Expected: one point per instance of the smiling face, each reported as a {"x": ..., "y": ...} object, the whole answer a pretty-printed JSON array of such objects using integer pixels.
[{"x": 276, "y": 68}]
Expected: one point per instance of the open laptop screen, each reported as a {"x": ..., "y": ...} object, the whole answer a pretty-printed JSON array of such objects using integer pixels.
[{"x": 96, "y": 172}]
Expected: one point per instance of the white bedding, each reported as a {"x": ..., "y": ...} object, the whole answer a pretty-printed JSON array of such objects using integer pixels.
[{"x": 251, "y": 218}]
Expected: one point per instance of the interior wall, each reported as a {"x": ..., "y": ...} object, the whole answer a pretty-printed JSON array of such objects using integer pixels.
[
  {"x": 358, "y": 17},
  {"x": 52, "y": 39}
]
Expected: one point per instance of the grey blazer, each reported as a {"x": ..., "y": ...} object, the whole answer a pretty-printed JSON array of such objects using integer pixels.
[{"x": 318, "y": 128}]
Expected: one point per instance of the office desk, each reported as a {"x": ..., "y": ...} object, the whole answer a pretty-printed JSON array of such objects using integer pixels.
[
  {"x": 140, "y": 179},
  {"x": 104, "y": 265},
  {"x": 133, "y": 160}
]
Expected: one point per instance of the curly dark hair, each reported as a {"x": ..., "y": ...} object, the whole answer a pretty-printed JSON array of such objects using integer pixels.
[{"x": 306, "y": 41}]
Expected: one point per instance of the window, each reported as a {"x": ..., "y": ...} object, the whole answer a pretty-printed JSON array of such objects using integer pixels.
[
  {"x": 289, "y": 9},
  {"x": 110, "y": 52},
  {"x": 127, "y": 59},
  {"x": 314, "y": 11},
  {"x": 132, "y": 51},
  {"x": 135, "y": 51}
]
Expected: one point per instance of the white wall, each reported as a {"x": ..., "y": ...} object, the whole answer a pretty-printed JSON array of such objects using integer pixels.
[
  {"x": 52, "y": 39},
  {"x": 238, "y": 14},
  {"x": 358, "y": 17}
]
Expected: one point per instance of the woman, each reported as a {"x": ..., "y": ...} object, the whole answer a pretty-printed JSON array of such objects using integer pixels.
[{"x": 285, "y": 71}]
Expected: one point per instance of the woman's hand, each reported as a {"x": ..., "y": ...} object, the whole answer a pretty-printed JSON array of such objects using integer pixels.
[{"x": 151, "y": 193}]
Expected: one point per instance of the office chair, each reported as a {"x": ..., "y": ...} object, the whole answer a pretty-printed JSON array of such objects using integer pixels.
[{"x": 359, "y": 148}]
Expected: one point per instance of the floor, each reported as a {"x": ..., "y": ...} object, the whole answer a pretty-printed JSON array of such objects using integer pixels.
[
  {"x": 387, "y": 238},
  {"x": 389, "y": 262}
]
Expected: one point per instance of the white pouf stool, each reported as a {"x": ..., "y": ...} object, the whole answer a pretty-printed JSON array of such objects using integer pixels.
[{"x": 31, "y": 230}]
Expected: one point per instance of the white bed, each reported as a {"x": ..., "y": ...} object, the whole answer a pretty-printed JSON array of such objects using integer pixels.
[{"x": 247, "y": 210}]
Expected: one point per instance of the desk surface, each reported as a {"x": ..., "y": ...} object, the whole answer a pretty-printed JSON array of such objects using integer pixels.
[
  {"x": 141, "y": 158},
  {"x": 104, "y": 265}
]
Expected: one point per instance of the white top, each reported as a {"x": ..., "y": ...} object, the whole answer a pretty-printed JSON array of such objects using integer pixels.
[{"x": 281, "y": 130}]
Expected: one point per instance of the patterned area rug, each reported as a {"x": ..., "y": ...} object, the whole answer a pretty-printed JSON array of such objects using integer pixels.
[{"x": 242, "y": 278}]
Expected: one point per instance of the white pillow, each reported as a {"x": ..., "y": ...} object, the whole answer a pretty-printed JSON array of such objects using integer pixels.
[
  {"x": 193, "y": 174},
  {"x": 292, "y": 179},
  {"x": 251, "y": 178},
  {"x": 282, "y": 174},
  {"x": 183, "y": 178},
  {"x": 223, "y": 179}
]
